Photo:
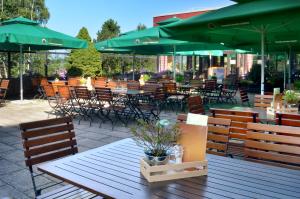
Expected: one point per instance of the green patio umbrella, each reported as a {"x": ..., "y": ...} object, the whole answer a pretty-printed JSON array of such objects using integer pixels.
[
  {"x": 24, "y": 35},
  {"x": 271, "y": 24}
]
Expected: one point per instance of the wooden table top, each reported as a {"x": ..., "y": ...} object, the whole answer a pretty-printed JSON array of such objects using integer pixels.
[{"x": 114, "y": 171}]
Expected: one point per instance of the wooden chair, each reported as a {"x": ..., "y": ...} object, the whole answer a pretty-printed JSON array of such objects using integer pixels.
[
  {"x": 288, "y": 119},
  {"x": 112, "y": 84},
  {"x": 263, "y": 101},
  {"x": 100, "y": 83},
  {"x": 218, "y": 134},
  {"x": 3, "y": 90},
  {"x": 66, "y": 101},
  {"x": 52, "y": 99},
  {"x": 244, "y": 97},
  {"x": 238, "y": 127},
  {"x": 210, "y": 84},
  {"x": 85, "y": 103},
  {"x": 133, "y": 85},
  {"x": 48, "y": 140},
  {"x": 150, "y": 87},
  {"x": 174, "y": 98},
  {"x": 195, "y": 105},
  {"x": 56, "y": 84},
  {"x": 75, "y": 81},
  {"x": 273, "y": 144}
]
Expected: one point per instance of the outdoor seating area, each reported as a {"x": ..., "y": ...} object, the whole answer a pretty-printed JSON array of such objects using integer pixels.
[{"x": 204, "y": 104}]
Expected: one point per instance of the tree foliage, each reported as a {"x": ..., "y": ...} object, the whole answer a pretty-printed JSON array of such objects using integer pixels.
[
  {"x": 141, "y": 26},
  {"x": 88, "y": 60},
  {"x": 110, "y": 29},
  {"x": 32, "y": 9}
]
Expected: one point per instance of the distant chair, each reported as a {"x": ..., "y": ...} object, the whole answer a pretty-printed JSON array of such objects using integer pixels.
[
  {"x": 210, "y": 84},
  {"x": 112, "y": 84},
  {"x": 52, "y": 99},
  {"x": 218, "y": 134},
  {"x": 3, "y": 90},
  {"x": 74, "y": 81},
  {"x": 244, "y": 97},
  {"x": 195, "y": 105},
  {"x": 288, "y": 119},
  {"x": 100, "y": 83},
  {"x": 48, "y": 140},
  {"x": 263, "y": 101},
  {"x": 56, "y": 84},
  {"x": 272, "y": 144},
  {"x": 133, "y": 85}
]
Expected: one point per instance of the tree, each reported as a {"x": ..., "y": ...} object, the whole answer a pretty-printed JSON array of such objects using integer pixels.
[
  {"x": 141, "y": 26},
  {"x": 110, "y": 29},
  {"x": 88, "y": 60}
]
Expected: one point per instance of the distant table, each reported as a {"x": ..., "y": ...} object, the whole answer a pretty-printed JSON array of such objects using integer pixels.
[{"x": 114, "y": 171}]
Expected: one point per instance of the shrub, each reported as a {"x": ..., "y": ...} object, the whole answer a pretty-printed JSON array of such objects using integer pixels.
[{"x": 74, "y": 72}]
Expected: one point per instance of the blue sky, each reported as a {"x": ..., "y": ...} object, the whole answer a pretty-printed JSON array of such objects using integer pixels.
[{"x": 68, "y": 16}]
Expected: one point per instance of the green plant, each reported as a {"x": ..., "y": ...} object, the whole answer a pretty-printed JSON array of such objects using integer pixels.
[
  {"x": 291, "y": 97},
  {"x": 74, "y": 72},
  {"x": 179, "y": 78},
  {"x": 82, "y": 81},
  {"x": 146, "y": 77},
  {"x": 156, "y": 138},
  {"x": 297, "y": 85}
]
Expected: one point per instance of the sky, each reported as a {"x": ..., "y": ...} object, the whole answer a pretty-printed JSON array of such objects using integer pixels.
[{"x": 68, "y": 16}]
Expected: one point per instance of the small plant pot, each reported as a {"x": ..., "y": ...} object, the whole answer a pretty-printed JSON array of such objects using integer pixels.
[{"x": 156, "y": 160}]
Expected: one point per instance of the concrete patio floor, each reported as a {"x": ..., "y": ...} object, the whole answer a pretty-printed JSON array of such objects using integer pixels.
[{"x": 15, "y": 180}]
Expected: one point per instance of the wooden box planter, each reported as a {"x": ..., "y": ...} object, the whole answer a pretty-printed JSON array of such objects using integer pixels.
[{"x": 172, "y": 171}]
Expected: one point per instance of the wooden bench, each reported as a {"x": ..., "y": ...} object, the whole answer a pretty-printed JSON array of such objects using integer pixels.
[
  {"x": 288, "y": 119},
  {"x": 238, "y": 127},
  {"x": 273, "y": 144},
  {"x": 263, "y": 101},
  {"x": 218, "y": 134},
  {"x": 48, "y": 140}
]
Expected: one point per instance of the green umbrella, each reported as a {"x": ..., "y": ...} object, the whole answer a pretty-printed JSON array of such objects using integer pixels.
[
  {"x": 21, "y": 34},
  {"x": 271, "y": 24}
]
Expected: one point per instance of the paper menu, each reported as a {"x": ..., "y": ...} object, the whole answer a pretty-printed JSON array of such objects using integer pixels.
[{"x": 197, "y": 119}]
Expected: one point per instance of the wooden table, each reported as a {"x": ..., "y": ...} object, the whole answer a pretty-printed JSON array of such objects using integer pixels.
[{"x": 114, "y": 171}]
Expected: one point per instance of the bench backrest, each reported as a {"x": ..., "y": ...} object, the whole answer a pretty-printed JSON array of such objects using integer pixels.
[
  {"x": 195, "y": 105},
  {"x": 263, "y": 101},
  {"x": 100, "y": 83},
  {"x": 288, "y": 119},
  {"x": 273, "y": 143},
  {"x": 133, "y": 85},
  {"x": 239, "y": 120}
]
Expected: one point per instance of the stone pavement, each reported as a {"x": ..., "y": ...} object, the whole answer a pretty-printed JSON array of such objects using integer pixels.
[{"x": 15, "y": 181}]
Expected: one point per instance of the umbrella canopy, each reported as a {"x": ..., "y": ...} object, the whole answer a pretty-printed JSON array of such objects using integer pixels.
[
  {"x": 272, "y": 25},
  {"x": 21, "y": 34},
  {"x": 29, "y": 34}
]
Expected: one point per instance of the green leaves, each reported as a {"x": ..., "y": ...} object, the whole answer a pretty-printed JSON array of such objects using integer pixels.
[{"x": 110, "y": 29}]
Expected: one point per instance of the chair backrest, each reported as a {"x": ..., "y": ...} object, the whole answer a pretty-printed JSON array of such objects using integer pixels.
[
  {"x": 82, "y": 92},
  {"x": 4, "y": 84},
  {"x": 210, "y": 84},
  {"x": 170, "y": 88},
  {"x": 122, "y": 84},
  {"x": 288, "y": 119},
  {"x": 44, "y": 81},
  {"x": 56, "y": 84},
  {"x": 239, "y": 120},
  {"x": 75, "y": 81},
  {"x": 133, "y": 85},
  {"x": 244, "y": 96},
  {"x": 49, "y": 90},
  {"x": 159, "y": 95},
  {"x": 64, "y": 92},
  {"x": 273, "y": 143},
  {"x": 100, "y": 83},
  {"x": 196, "y": 83},
  {"x": 35, "y": 81},
  {"x": 195, "y": 105},
  {"x": 218, "y": 134},
  {"x": 112, "y": 84},
  {"x": 47, "y": 140},
  {"x": 263, "y": 101},
  {"x": 150, "y": 87},
  {"x": 103, "y": 94}
]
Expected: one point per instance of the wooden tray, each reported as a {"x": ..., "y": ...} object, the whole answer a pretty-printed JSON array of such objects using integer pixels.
[{"x": 173, "y": 171}]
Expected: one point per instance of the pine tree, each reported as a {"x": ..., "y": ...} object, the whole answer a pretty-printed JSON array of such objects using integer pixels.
[
  {"x": 88, "y": 60},
  {"x": 110, "y": 29},
  {"x": 141, "y": 26}
]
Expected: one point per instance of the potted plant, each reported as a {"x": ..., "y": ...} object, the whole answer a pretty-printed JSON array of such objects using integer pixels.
[
  {"x": 157, "y": 139},
  {"x": 74, "y": 72},
  {"x": 179, "y": 78},
  {"x": 291, "y": 98}
]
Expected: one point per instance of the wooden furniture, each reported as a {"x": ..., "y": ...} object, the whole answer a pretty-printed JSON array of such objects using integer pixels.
[
  {"x": 218, "y": 134},
  {"x": 100, "y": 83},
  {"x": 74, "y": 81},
  {"x": 274, "y": 144},
  {"x": 113, "y": 171},
  {"x": 210, "y": 84},
  {"x": 133, "y": 85},
  {"x": 244, "y": 97},
  {"x": 112, "y": 84},
  {"x": 56, "y": 84},
  {"x": 238, "y": 127},
  {"x": 3, "y": 90},
  {"x": 288, "y": 119},
  {"x": 195, "y": 105},
  {"x": 263, "y": 101},
  {"x": 47, "y": 140}
]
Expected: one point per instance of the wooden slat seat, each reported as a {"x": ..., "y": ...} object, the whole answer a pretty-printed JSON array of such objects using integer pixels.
[
  {"x": 218, "y": 134},
  {"x": 263, "y": 101},
  {"x": 273, "y": 144},
  {"x": 3, "y": 90},
  {"x": 48, "y": 140},
  {"x": 288, "y": 119}
]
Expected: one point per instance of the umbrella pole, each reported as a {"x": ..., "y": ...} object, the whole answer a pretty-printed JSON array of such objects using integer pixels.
[
  {"x": 262, "y": 89},
  {"x": 133, "y": 63},
  {"x": 21, "y": 72},
  {"x": 174, "y": 64},
  {"x": 284, "y": 72}
]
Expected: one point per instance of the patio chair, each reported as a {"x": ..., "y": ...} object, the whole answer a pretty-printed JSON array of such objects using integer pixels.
[
  {"x": 66, "y": 101},
  {"x": 263, "y": 101},
  {"x": 272, "y": 144},
  {"x": 48, "y": 140},
  {"x": 238, "y": 127},
  {"x": 228, "y": 94},
  {"x": 52, "y": 100},
  {"x": 218, "y": 134},
  {"x": 288, "y": 119},
  {"x": 195, "y": 105},
  {"x": 41, "y": 91},
  {"x": 244, "y": 97},
  {"x": 85, "y": 104},
  {"x": 56, "y": 84},
  {"x": 74, "y": 81},
  {"x": 112, "y": 84},
  {"x": 3, "y": 90},
  {"x": 133, "y": 85},
  {"x": 173, "y": 97},
  {"x": 100, "y": 83}
]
